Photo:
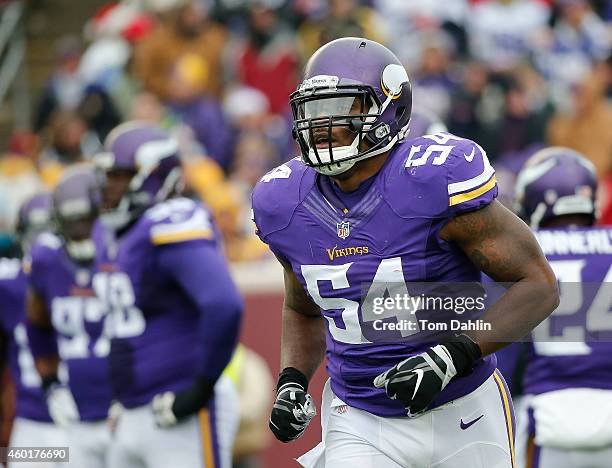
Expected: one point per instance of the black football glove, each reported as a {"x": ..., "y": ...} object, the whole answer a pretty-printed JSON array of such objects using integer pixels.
[
  {"x": 170, "y": 407},
  {"x": 293, "y": 409},
  {"x": 418, "y": 380}
]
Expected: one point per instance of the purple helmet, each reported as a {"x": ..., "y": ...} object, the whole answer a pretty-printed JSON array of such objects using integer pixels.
[
  {"x": 424, "y": 122},
  {"x": 150, "y": 159},
  {"x": 555, "y": 181},
  {"x": 76, "y": 204},
  {"x": 340, "y": 74},
  {"x": 34, "y": 217}
]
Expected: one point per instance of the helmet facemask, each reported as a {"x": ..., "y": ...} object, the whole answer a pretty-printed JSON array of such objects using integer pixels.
[
  {"x": 318, "y": 110},
  {"x": 75, "y": 219},
  {"x": 142, "y": 191}
]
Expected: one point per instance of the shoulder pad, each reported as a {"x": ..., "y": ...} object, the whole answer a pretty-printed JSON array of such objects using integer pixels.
[
  {"x": 48, "y": 240},
  {"x": 471, "y": 178},
  {"x": 178, "y": 220},
  {"x": 43, "y": 252},
  {"x": 9, "y": 268},
  {"x": 445, "y": 174},
  {"x": 277, "y": 195}
]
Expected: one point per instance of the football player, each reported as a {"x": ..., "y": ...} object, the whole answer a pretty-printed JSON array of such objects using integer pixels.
[
  {"x": 176, "y": 312},
  {"x": 567, "y": 379},
  {"x": 32, "y": 425},
  {"x": 364, "y": 205},
  {"x": 62, "y": 306}
]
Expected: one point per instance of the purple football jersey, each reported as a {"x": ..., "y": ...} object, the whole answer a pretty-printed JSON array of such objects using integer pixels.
[
  {"x": 390, "y": 236},
  {"x": 155, "y": 346},
  {"x": 79, "y": 322},
  {"x": 30, "y": 400},
  {"x": 572, "y": 348}
]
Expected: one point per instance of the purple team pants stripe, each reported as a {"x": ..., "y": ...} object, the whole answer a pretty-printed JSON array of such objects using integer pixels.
[
  {"x": 214, "y": 430},
  {"x": 533, "y": 453},
  {"x": 208, "y": 433},
  {"x": 508, "y": 411}
]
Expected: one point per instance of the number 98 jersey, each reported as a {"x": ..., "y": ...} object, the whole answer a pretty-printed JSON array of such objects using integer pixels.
[
  {"x": 155, "y": 343},
  {"x": 572, "y": 347},
  {"x": 389, "y": 237}
]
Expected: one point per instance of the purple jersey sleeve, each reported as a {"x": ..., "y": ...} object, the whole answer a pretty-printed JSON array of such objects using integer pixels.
[
  {"x": 188, "y": 252},
  {"x": 180, "y": 220},
  {"x": 41, "y": 259},
  {"x": 35, "y": 268},
  {"x": 471, "y": 182},
  {"x": 276, "y": 198},
  {"x": 43, "y": 340},
  {"x": 277, "y": 194},
  {"x": 200, "y": 269}
]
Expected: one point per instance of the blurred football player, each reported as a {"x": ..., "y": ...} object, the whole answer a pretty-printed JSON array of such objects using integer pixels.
[
  {"x": 567, "y": 379},
  {"x": 175, "y": 309},
  {"x": 32, "y": 425},
  {"x": 62, "y": 306},
  {"x": 365, "y": 205}
]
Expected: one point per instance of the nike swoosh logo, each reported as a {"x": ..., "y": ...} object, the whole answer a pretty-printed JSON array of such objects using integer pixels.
[
  {"x": 419, "y": 373},
  {"x": 471, "y": 156},
  {"x": 464, "y": 426}
]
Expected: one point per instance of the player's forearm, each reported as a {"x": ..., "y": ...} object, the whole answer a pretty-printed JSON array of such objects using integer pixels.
[
  {"x": 302, "y": 341},
  {"x": 47, "y": 368},
  {"x": 503, "y": 247},
  {"x": 516, "y": 313},
  {"x": 42, "y": 341}
]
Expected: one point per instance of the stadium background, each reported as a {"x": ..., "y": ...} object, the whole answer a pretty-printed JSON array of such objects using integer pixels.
[{"x": 514, "y": 75}]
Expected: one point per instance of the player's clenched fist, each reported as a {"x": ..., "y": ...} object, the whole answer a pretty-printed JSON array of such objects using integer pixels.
[
  {"x": 417, "y": 381},
  {"x": 293, "y": 409},
  {"x": 170, "y": 407}
]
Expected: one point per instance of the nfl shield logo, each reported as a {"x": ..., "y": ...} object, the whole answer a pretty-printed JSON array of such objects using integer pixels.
[{"x": 344, "y": 229}]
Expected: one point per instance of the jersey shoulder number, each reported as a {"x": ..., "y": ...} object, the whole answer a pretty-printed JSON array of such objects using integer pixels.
[
  {"x": 9, "y": 268},
  {"x": 278, "y": 194},
  {"x": 455, "y": 168},
  {"x": 43, "y": 253},
  {"x": 48, "y": 240}
]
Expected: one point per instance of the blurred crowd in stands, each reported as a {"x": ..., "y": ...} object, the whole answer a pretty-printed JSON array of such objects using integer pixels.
[{"x": 514, "y": 75}]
